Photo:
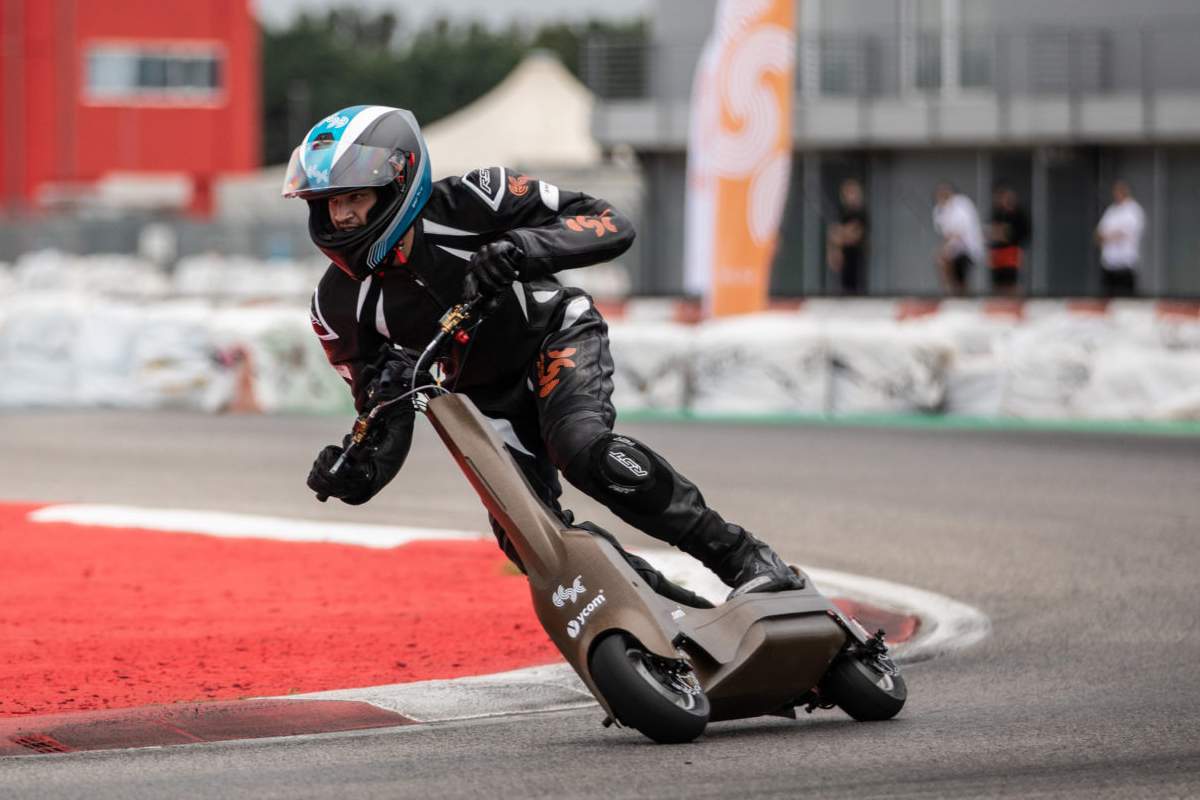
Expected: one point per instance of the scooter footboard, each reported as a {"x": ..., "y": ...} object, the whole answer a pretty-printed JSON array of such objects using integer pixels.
[{"x": 758, "y": 654}]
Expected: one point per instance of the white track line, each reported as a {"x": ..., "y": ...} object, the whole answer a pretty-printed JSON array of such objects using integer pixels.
[
  {"x": 246, "y": 526},
  {"x": 554, "y": 687}
]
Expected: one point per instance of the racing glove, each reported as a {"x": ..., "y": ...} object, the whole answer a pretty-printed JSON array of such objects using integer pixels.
[
  {"x": 370, "y": 467},
  {"x": 493, "y": 268}
]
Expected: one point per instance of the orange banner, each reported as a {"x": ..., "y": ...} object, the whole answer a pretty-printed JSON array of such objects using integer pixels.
[{"x": 739, "y": 154}]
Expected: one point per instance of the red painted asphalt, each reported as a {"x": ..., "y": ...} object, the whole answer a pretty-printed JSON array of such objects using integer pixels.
[{"x": 95, "y": 617}]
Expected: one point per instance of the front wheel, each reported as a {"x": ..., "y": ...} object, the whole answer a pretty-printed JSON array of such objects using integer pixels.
[
  {"x": 657, "y": 696},
  {"x": 863, "y": 689}
]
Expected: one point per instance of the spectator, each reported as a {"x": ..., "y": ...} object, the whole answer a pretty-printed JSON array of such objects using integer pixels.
[
  {"x": 1119, "y": 235},
  {"x": 1007, "y": 234},
  {"x": 957, "y": 221},
  {"x": 847, "y": 247}
]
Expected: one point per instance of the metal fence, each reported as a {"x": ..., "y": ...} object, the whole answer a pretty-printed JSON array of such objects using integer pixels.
[{"x": 1047, "y": 60}]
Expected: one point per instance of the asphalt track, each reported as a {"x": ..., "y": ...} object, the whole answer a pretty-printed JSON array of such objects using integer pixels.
[{"x": 1081, "y": 547}]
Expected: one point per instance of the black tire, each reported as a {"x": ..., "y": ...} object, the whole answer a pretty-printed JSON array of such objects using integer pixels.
[
  {"x": 862, "y": 691},
  {"x": 643, "y": 697}
]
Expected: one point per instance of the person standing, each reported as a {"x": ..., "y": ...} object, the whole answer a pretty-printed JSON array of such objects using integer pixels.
[
  {"x": 1119, "y": 235},
  {"x": 1007, "y": 233},
  {"x": 957, "y": 221},
  {"x": 846, "y": 251}
]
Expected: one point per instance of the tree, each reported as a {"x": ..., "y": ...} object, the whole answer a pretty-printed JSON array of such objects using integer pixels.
[{"x": 349, "y": 56}]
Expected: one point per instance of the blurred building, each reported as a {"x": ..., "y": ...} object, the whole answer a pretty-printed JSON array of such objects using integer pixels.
[
  {"x": 1055, "y": 99},
  {"x": 129, "y": 105}
]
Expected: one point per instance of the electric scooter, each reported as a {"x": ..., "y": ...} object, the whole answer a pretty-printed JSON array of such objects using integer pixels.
[{"x": 653, "y": 664}]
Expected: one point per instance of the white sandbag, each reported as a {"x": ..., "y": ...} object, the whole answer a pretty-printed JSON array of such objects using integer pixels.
[
  {"x": 975, "y": 385},
  {"x": 762, "y": 363},
  {"x": 881, "y": 367},
  {"x": 103, "y": 357},
  {"x": 92, "y": 275},
  {"x": 1177, "y": 332},
  {"x": 1141, "y": 383},
  {"x": 1044, "y": 378},
  {"x": 177, "y": 360},
  {"x": 36, "y": 350},
  {"x": 651, "y": 365},
  {"x": 1182, "y": 406},
  {"x": 1050, "y": 362},
  {"x": 242, "y": 279},
  {"x": 158, "y": 357},
  {"x": 971, "y": 332},
  {"x": 280, "y": 362}
]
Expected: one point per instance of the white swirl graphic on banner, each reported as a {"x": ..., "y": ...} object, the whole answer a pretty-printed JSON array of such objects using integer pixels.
[
  {"x": 752, "y": 151},
  {"x": 768, "y": 196},
  {"x": 750, "y": 100}
]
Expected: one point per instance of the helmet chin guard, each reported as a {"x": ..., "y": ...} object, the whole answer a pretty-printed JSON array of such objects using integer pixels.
[{"x": 376, "y": 147}]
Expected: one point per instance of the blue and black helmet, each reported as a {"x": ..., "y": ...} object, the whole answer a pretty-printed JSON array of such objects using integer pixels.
[{"x": 358, "y": 147}]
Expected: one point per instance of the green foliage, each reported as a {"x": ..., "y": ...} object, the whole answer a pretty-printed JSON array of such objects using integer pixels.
[{"x": 349, "y": 56}]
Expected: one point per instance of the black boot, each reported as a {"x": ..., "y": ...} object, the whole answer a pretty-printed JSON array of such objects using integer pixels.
[
  {"x": 738, "y": 558},
  {"x": 753, "y": 566}
]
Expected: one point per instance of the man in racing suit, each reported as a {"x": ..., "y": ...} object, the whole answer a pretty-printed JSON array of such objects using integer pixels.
[{"x": 405, "y": 249}]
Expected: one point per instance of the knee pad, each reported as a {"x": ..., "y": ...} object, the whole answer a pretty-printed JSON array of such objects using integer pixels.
[{"x": 621, "y": 471}]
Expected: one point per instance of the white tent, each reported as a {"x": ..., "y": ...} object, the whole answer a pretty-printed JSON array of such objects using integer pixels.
[{"x": 537, "y": 118}]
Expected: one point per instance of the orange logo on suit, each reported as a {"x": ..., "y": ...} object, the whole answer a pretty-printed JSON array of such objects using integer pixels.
[
  {"x": 518, "y": 185},
  {"x": 599, "y": 225},
  {"x": 548, "y": 373}
]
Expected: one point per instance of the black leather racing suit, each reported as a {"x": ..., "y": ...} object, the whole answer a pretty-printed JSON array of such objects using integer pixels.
[{"x": 539, "y": 365}]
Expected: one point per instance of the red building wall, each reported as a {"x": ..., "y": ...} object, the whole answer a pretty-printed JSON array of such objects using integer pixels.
[{"x": 58, "y": 133}]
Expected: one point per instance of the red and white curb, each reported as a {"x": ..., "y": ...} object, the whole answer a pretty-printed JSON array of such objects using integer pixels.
[{"x": 944, "y": 625}]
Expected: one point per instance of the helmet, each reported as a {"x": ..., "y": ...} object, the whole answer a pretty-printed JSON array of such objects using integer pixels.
[{"x": 362, "y": 146}]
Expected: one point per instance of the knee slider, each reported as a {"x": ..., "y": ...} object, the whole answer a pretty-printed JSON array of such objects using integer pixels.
[{"x": 629, "y": 474}]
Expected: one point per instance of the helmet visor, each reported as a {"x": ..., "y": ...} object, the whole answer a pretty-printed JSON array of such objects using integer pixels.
[{"x": 313, "y": 173}]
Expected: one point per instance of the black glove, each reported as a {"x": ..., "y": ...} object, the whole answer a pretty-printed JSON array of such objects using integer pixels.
[
  {"x": 386, "y": 378},
  {"x": 492, "y": 269},
  {"x": 353, "y": 480},
  {"x": 371, "y": 465}
]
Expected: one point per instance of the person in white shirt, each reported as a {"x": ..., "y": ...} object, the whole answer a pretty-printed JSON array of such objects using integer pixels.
[
  {"x": 1119, "y": 235},
  {"x": 957, "y": 221}
]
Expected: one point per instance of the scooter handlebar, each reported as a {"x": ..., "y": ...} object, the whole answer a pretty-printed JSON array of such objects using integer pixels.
[{"x": 450, "y": 324}]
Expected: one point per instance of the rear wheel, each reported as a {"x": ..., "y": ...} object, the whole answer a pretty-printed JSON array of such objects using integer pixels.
[
  {"x": 657, "y": 696},
  {"x": 864, "y": 689}
]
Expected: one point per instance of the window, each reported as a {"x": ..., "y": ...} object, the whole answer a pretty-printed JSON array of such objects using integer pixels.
[{"x": 172, "y": 74}]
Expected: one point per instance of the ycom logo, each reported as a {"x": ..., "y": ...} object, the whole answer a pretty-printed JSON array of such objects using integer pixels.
[
  {"x": 575, "y": 626},
  {"x": 573, "y": 592}
]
